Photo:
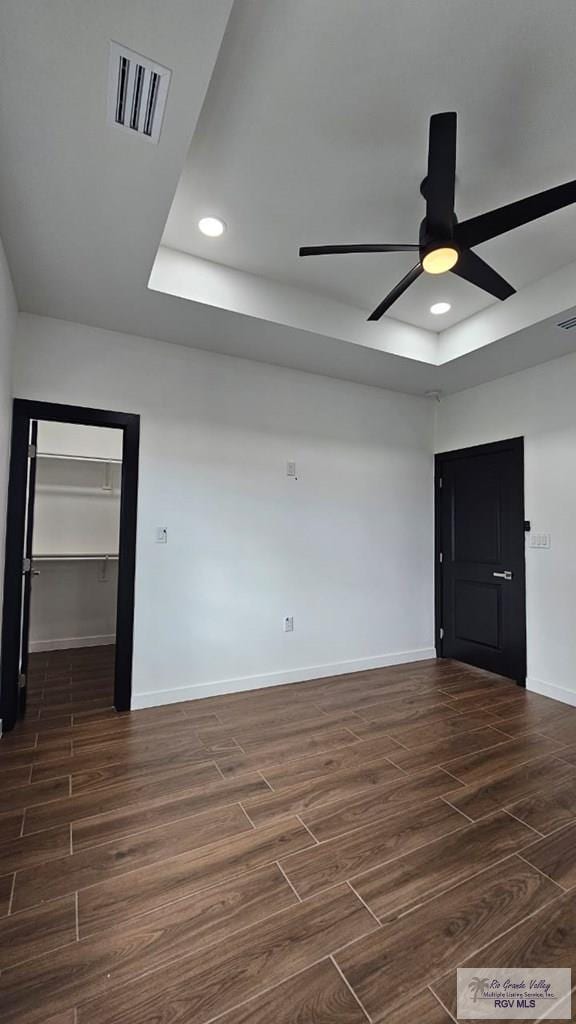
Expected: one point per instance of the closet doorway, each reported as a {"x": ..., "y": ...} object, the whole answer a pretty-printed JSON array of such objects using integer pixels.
[{"x": 70, "y": 554}]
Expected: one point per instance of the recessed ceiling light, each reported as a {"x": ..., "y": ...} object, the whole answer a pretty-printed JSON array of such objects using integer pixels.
[
  {"x": 212, "y": 226},
  {"x": 440, "y": 307}
]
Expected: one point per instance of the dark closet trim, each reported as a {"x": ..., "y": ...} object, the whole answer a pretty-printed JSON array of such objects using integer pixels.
[{"x": 24, "y": 412}]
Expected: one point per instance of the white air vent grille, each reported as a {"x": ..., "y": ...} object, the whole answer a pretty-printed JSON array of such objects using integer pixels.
[
  {"x": 137, "y": 92},
  {"x": 567, "y": 325}
]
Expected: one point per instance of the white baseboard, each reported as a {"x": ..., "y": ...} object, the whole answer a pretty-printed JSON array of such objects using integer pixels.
[
  {"x": 75, "y": 641},
  {"x": 551, "y": 690},
  {"x": 154, "y": 698}
]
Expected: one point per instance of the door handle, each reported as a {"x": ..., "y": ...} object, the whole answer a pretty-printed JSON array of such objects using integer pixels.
[{"x": 506, "y": 575}]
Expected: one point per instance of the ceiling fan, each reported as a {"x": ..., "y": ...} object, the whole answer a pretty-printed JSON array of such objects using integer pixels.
[{"x": 444, "y": 243}]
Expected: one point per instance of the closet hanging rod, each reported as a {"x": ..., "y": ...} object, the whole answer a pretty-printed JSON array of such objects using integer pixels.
[
  {"x": 75, "y": 558},
  {"x": 78, "y": 458}
]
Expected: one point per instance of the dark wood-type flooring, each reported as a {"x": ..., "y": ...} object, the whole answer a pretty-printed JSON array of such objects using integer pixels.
[{"x": 321, "y": 853}]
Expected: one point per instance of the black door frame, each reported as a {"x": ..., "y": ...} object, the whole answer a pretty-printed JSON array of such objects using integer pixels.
[
  {"x": 516, "y": 445},
  {"x": 24, "y": 411}
]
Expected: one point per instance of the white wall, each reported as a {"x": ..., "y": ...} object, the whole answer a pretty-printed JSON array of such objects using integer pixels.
[
  {"x": 73, "y": 606},
  {"x": 539, "y": 404},
  {"x": 8, "y": 318},
  {"x": 346, "y": 548}
]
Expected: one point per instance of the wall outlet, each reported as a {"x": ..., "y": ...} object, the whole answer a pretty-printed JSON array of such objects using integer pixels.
[
  {"x": 161, "y": 534},
  {"x": 288, "y": 623},
  {"x": 540, "y": 540}
]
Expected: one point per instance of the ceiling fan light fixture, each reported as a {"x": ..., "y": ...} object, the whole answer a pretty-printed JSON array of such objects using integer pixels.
[{"x": 440, "y": 260}]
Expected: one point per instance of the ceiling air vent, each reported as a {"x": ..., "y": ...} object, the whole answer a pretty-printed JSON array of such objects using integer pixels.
[
  {"x": 567, "y": 325},
  {"x": 137, "y": 91}
]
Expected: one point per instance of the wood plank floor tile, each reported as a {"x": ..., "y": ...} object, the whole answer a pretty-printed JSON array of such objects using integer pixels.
[
  {"x": 361, "y": 699},
  {"x": 36, "y": 932},
  {"x": 6, "y": 882},
  {"x": 98, "y": 965},
  {"x": 423, "y": 1009},
  {"x": 10, "y": 826},
  {"x": 307, "y": 769},
  {"x": 395, "y": 723},
  {"x": 256, "y": 739},
  {"x": 376, "y": 844},
  {"x": 536, "y": 722},
  {"x": 86, "y": 736},
  {"x": 146, "y": 753},
  {"x": 404, "y": 709},
  {"x": 203, "y": 985},
  {"x": 12, "y": 778},
  {"x": 318, "y": 995},
  {"x": 442, "y": 751},
  {"x": 473, "y": 686},
  {"x": 548, "y": 809},
  {"x": 556, "y": 856},
  {"x": 28, "y": 851},
  {"x": 121, "y": 795},
  {"x": 483, "y": 765},
  {"x": 382, "y": 966},
  {"x": 504, "y": 789},
  {"x": 343, "y": 815},
  {"x": 207, "y": 797},
  {"x": 59, "y": 727},
  {"x": 15, "y": 757},
  {"x": 95, "y": 779},
  {"x": 546, "y": 939},
  {"x": 179, "y": 877},
  {"x": 496, "y": 703},
  {"x": 104, "y": 765},
  {"x": 411, "y": 736},
  {"x": 35, "y": 794},
  {"x": 67, "y": 1017},
  {"x": 272, "y": 753},
  {"x": 563, "y": 731},
  {"x": 423, "y": 874},
  {"x": 346, "y": 784},
  {"x": 111, "y": 860}
]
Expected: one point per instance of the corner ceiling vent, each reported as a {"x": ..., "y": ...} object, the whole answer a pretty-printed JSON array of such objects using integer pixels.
[
  {"x": 567, "y": 325},
  {"x": 137, "y": 92}
]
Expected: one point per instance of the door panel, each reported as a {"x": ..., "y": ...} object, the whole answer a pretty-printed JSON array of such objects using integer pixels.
[{"x": 480, "y": 539}]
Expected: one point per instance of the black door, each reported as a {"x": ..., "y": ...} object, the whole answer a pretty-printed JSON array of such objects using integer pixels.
[
  {"x": 27, "y": 570},
  {"x": 481, "y": 615}
]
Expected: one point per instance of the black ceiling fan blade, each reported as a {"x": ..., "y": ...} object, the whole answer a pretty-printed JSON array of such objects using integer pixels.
[
  {"x": 396, "y": 292},
  {"x": 440, "y": 181},
  {"x": 506, "y": 218},
  {"x": 329, "y": 250},
  {"x": 472, "y": 268}
]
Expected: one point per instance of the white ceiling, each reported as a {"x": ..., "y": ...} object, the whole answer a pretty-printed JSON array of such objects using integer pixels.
[
  {"x": 315, "y": 130},
  {"x": 296, "y": 122}
]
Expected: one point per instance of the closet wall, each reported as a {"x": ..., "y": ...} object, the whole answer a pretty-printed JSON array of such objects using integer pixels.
[{"x": 76, "y": 524}]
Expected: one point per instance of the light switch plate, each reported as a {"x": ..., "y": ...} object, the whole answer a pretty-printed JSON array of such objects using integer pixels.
[
  {"x": 161, "y": 534},
  {"x": 540, "y": 540}
]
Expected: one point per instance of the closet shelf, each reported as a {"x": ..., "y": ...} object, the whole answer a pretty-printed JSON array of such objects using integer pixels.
[
  {"x": 78, "y": 458},
  {"x": 76, "y": 558}
]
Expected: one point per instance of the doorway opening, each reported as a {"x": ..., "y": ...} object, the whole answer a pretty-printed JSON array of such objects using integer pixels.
[
  {"x": 480, "y": 557},
  {"x": 70, "y": 559}
]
